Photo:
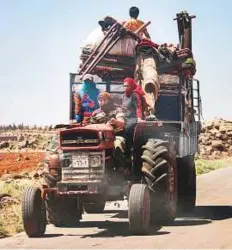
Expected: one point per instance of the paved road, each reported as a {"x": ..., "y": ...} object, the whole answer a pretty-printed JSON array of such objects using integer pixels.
[{"x": 209, "y": 227}]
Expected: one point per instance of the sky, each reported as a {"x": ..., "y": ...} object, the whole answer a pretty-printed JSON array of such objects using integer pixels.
[{"x": 40, "y": 43}]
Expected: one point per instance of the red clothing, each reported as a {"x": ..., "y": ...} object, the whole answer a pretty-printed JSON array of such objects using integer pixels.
[{"x": 137, "y": 101}]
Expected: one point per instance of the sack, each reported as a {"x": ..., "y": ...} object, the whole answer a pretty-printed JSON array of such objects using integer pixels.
[
  {"x": 124, "y": 47},
  {"x": 93, "y": 39}
]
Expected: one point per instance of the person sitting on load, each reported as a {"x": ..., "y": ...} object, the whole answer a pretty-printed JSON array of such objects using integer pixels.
[
  {"x": 133, "y": 24},
  {"x": 86, "y": 99}
]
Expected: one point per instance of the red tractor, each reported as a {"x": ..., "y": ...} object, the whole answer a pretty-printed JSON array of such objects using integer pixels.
[{"x": 81, "y": 160}]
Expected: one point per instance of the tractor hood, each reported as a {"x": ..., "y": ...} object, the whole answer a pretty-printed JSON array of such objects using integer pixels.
[{"x": 94, "y": 136}]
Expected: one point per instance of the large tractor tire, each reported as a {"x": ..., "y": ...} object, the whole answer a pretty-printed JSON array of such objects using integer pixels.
[
  {"x": 139, "y": 209},
  {"x": 159, "y": 168},
  {"x": 33, "y": 212},
  {"x": 63, "y": 211},
  {"x": 186, "y": 184},
  {"x": 92, "y": 208}
]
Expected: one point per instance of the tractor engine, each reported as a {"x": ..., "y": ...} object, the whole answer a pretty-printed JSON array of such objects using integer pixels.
[{"x": 85, "y": 155}]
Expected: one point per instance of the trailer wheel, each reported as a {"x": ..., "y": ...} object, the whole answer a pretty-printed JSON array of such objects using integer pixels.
[
  {"x": 186, "y": 184},
  {"x": 97, "y": 207},
  {"x": 33, "y": 212},
  {"x": 139, "y": 209},
  {"x": 159, "y": 168}
]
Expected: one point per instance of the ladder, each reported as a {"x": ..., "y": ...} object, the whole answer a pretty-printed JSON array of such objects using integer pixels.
[{"x": 196, "y": 99}]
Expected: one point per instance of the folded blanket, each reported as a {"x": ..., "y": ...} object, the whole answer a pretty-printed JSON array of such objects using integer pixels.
[
  {"x": 168, "y": 51},
  {"x": 146, "y": 47}
]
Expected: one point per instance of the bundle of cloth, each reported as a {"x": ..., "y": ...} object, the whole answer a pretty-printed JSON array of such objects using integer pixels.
[
  {"x": 178, "y": 59},
  {"x": 169, "y": 58}
]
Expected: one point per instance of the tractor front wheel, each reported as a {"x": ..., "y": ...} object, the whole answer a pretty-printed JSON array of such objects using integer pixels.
[
  {"x": 139, "y": 209},
  {"x": 33, "y": 212}
]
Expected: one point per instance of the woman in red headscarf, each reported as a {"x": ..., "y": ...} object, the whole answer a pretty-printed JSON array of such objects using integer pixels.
[
  {"x": 133, "y": 101},
  {"x": 133, "y": 104}
]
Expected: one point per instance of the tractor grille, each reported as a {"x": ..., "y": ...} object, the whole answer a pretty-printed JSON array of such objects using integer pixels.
[
  {"x": 79, "y": 139},
  {"x": 83, "y": 165}
]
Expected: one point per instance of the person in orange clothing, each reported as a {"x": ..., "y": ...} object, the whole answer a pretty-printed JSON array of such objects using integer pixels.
[{"x": 134, "y": 23}]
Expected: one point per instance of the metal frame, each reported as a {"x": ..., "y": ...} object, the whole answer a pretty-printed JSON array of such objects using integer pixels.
[{"x": 182, "y": 83}]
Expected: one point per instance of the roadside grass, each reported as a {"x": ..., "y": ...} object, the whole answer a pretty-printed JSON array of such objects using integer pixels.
[
  {"x": 10, "y": 222},
  {"x": 204, "y": 166},
  {"x": 10, "y": 214},
  {"x": 3, "y": 232}
]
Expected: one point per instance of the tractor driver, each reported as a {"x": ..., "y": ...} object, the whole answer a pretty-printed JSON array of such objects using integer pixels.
[
  {"x": 109, "y": 113},
  {"x": 113, "y": 115}
]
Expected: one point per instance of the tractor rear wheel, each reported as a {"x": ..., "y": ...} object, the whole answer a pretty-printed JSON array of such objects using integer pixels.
[
  {"x": 186, "y": 184},
  {"x": 159, "y": 168}
]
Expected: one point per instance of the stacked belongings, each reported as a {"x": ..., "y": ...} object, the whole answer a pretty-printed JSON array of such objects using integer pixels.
[
  {"x": 177, "y": 59},
  {"x": 153, "y": 60},
  {"x": 115, "y": 53},
  {"x": 118, "y": 62}
]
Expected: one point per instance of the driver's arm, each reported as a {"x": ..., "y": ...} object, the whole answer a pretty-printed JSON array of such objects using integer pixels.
[
  {"x": 119, "y": 120},
  {"x": 97, "y": 117},
  {"x": 119, "y": 123}
]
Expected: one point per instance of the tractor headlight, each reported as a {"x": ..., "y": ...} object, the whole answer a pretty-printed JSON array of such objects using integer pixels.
[
  {"x": 66, "y": 163},
  {"x": 95, "y": 161},
  {"x": 66, "y": 160}
]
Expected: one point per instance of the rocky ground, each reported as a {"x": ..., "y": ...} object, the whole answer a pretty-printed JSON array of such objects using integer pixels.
[
  {"x": 23, "y": 150},
  {"x": 14, "y": 163},
  {"x": 21, "y": 163},
  {"x": 216, "y": 139},
  {"x": 24, "y": 140}
]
